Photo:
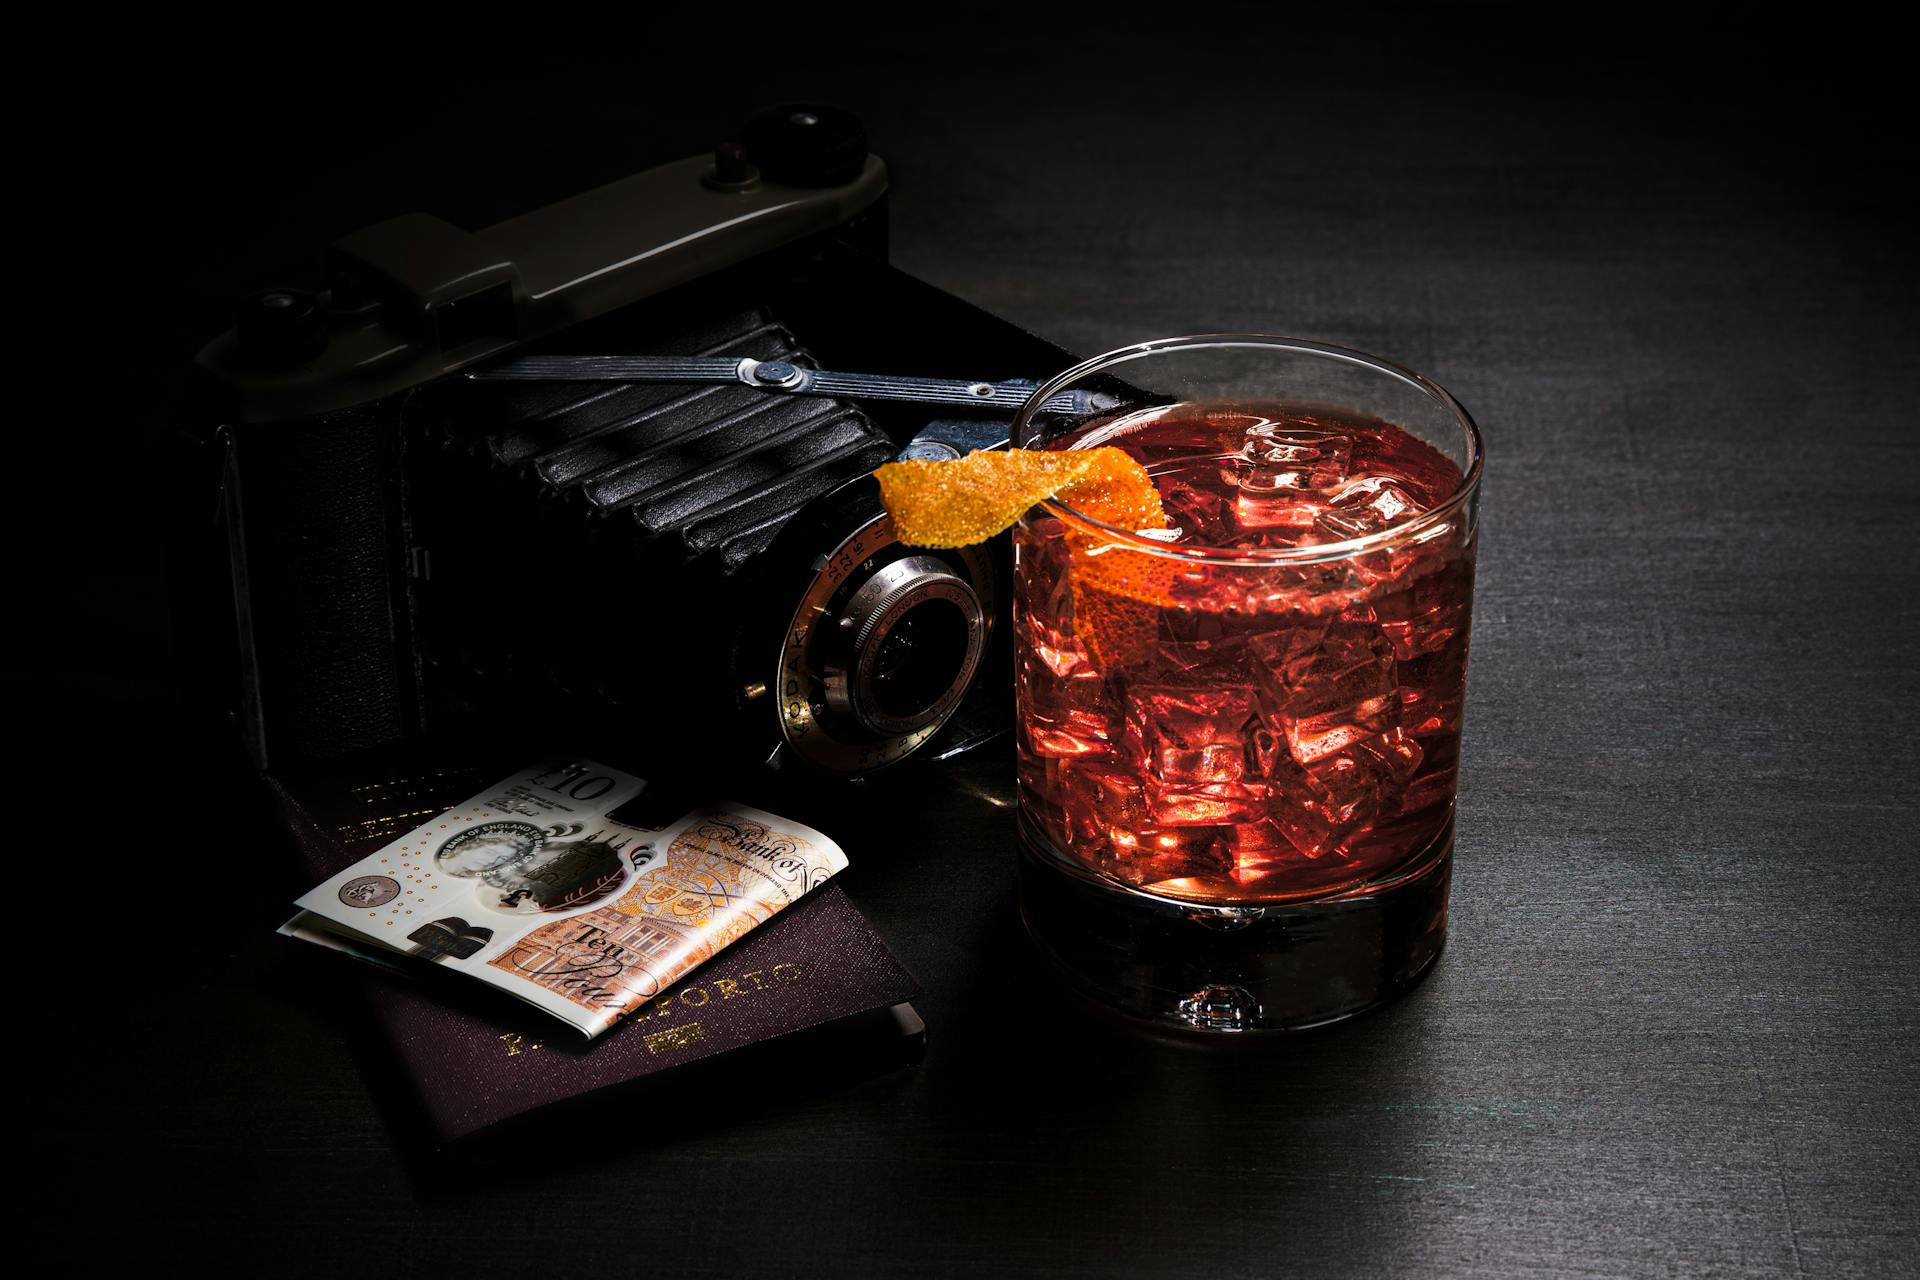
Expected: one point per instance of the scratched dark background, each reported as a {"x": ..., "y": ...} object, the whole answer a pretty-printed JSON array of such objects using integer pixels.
[{"x": 1667, "y": 267}]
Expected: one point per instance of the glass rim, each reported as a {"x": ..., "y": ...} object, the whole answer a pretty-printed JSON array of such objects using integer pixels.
[{"x": 1398, "y": 532}]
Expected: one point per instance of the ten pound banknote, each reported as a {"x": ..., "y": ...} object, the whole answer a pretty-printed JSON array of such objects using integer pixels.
[{"x": 565, "y": 886}]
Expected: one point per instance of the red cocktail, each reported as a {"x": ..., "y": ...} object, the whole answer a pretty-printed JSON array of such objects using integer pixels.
[{"x": 1262, "y": 703}]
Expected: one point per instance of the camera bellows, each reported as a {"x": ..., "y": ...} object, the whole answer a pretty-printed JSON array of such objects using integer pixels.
[{"x": 716, "y": 469}]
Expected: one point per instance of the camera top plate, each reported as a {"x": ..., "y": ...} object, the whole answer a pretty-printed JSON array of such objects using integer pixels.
[{"x": 415, "y": 298}]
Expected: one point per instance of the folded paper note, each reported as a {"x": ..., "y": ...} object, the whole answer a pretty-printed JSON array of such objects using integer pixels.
[{"x": 569, "y": 886}]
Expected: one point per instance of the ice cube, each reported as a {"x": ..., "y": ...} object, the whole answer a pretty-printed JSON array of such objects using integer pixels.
[
  {"x": 1199, "y": 647},
  {"x": 1370, "y": 777},
  {"x": 1285, "y": 476},
  {"x": 1278, "y": 509},
  {"x": 1365, "y": 506},
  {"x": 1200, "y": 662},
  {"x": 1197, "y": 511},
  {"x": 1217, "y": 762},
  {"x": 1265, "y": 856},
  {"x": 1096, "y": 798},
  {"x": 1254, "y": 843},
  {"x": 1194, "y": 626},
  {"x": 1113, "y": 793},
  {"x": 1320, "y": 806},
  {"x": 1106, "y": 818},
  {"x": 1150, "y": 855},
  {"x": 1169, "y": 726},
  {"x": 1261, "y": 849},
  {"x": 1425, "y": 713},
  {"x": 1185, "y": 804},
  {"x": 1324, "y": 693},
  {"x": 1039, "y": 560},
  {"x": 1301, "y": 590},
  {"x": 1058, "y": 650},
  {"x": 1064, "y": 707},
  {"x": 1189, "y": 744},
  {"x": 1432, "y": 788},
  {"x": 1065, "y": 656},
  {"x": 1425, "y": 608},
  {"x": 1309, "y": 829},
  {"x": 1283, "y": 457},
  {"x": 1329, "y": 746},
  {"x": 1078, "y": 733}
]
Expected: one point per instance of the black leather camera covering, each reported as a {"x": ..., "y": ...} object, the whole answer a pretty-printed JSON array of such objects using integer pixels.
[
  {"x": 320, "y": 523},
  {"x": 573, "y": 564}
]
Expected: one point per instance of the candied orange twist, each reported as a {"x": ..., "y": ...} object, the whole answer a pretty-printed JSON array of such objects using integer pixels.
[{"x": 967, "y": 500}]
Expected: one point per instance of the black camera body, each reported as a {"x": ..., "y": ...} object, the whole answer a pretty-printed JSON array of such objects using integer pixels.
[{"x": 683, "y": 575}]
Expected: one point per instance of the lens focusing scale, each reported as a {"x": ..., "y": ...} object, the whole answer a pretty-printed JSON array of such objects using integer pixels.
[{"x": 917, "y": 630}]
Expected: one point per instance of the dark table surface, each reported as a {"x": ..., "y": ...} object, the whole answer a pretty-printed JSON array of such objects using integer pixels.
[{"x": 1673, "y": 1031}]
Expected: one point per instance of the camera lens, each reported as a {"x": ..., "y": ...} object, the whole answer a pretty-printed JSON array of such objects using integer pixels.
[
  {"x": 917, "y": 661},
  {"x": 913, "y": 633},
  {"x": 884, "y": 645}
]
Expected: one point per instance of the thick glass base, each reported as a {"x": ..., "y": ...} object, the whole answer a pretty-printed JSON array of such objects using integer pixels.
[{"x": 1186, "y": 967}]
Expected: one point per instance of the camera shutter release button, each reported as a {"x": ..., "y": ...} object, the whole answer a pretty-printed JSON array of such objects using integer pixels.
[
  {"x": 282, "y": 327},
  {"x": 807, "y": 144}
]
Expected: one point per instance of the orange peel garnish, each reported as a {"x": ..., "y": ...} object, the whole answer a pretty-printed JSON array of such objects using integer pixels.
[
  {"x": 1116, "y": 589},
  {"x": 959, "y": 502},
  {"x": 1117, "y": 595}
]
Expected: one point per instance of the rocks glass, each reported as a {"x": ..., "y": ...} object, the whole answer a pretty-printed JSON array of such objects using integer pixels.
[{"x": 1239, "y": 736}]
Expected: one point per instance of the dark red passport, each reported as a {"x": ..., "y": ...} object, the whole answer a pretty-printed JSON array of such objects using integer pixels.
[{"x": 815, "y": 977}]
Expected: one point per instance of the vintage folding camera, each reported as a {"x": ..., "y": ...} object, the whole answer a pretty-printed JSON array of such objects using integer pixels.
[{"x": 410, "y": 551}]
